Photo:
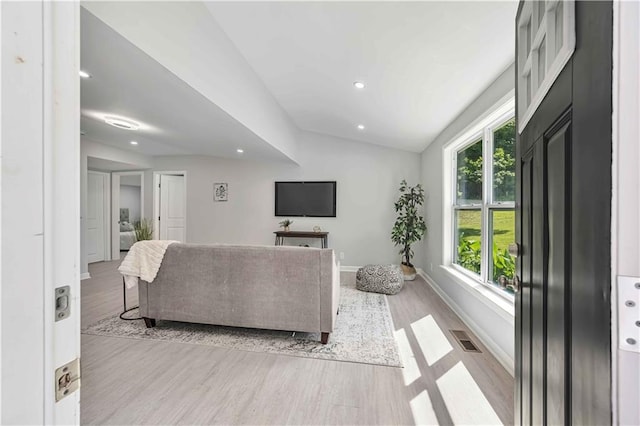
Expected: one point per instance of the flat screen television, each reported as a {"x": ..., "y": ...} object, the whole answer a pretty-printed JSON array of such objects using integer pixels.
[{"x": 310, "y": 199}]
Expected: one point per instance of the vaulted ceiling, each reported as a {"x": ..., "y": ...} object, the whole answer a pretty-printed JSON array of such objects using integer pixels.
[
  {"x": 292, "y": 67},
  {"x": 422, "y": 62}
]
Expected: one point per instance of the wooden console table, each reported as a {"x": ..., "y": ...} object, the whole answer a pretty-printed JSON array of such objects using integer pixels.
[{"x": 281, "y": 235}]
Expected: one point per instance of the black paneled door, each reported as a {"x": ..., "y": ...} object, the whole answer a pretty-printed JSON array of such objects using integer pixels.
[{"x": 563, "y": 363}]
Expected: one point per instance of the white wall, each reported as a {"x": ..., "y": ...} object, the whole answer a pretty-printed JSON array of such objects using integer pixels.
[
  {"x": 106, "y": 152},
  {"x": 496, "y": 329},
  {"x": 367, "y": 178},
  {"x": 210, "y": 63},
  {"x": 130, "y": 199}
]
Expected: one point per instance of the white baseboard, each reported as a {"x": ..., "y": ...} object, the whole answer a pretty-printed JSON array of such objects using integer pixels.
[
  {"x": 349, "y": 268},
  {"x": 502, "y": 357},
  {"x": 84, "y": 276}
]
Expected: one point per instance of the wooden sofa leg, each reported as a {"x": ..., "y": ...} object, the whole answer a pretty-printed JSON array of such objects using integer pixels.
[
  {"x": 324, "y": 338},
  {"x": 149, "y": 322}
]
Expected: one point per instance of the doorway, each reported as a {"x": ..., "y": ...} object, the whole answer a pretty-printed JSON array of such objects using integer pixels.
[
  {"x": 170, "y": 205},
  {"x": 127, "y": 210},
  {"x": 98, "y": 216}
]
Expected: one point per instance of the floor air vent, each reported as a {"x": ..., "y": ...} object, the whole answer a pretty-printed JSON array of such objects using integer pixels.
[{"x": 465, "y": 341}]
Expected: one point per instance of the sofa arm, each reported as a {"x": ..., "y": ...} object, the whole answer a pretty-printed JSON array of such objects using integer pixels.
[
  {"x": 335, "y": 284},
  {"x": 329, "y": 290},
  {"x": 143, "y": 298}
]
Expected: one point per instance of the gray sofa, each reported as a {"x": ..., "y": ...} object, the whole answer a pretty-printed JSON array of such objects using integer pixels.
[{"x": 275, "y": 288}]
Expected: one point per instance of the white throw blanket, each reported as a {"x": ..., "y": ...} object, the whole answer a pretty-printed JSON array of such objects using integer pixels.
[{"x": 143, "y": 261}]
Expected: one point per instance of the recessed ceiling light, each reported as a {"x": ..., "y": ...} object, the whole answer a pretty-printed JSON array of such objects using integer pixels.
[
  {"x": 360, "y": 126},
  {"x": 121, "y": 123},
  {"x": 239, "y": 150},
  {"x": 84, "y": 74},
  {"x": 133, "y": 143},
  {"x": 358, "y": 84}
]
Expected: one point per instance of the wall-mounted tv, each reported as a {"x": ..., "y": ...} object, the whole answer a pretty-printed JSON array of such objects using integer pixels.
[{"x": 311, "y": 199}]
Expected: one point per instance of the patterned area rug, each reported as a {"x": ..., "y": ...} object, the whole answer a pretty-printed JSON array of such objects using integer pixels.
[{"x": 363, "y": 334}]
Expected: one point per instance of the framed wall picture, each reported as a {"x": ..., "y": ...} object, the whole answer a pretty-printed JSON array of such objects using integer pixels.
[{"x": 220, "y": 191}]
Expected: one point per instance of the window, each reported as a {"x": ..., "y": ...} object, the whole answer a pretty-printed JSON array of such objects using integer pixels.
[
  {"x": 484, "y": 203},
  {"x": 546, "y": 41}
]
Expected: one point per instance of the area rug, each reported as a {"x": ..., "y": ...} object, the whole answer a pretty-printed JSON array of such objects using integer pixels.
[{"x": 363, "y": 334}]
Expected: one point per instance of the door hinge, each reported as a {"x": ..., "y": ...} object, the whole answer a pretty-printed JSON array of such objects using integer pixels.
[
  {"x": 67, "y": 379},
  {"x": 158, "y": 218},
  {"x": 63, "y": 302},
  {"x": 629, "y": 313}
]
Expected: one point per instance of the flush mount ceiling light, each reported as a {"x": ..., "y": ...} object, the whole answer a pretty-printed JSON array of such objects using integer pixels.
[
  {"x": 84, "y": 74},
  {"x": 121, "y": 123},
  {"x": 133, "y": 143},
  {"x": 359, "y": 84},
  {"x": 360, "y": 126},
  {"x": 239, "y": 150}
]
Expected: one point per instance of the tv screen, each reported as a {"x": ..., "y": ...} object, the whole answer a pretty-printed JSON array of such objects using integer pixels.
[{"x": 312, "y": 199}]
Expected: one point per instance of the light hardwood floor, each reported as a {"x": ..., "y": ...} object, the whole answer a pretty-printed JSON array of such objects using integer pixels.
[{"x": 127, "y": 381}]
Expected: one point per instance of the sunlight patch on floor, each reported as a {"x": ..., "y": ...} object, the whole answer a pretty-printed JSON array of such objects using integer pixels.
[
  {"x": 464, "y": 400},
  {"x": 411, "y": 371},
  {"x": 422, "y": 410},
  {"x": 433, "y": 342}
]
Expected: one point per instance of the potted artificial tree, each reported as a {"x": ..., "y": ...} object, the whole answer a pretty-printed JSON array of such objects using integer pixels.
[
  {"x": 410, "y": 226},
  {"x": 143, "y": 229}
]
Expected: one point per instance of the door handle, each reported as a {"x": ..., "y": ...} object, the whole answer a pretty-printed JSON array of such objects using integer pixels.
[
  {"x": 514, "y": 249},
  {"x": 516, "y": 284}
]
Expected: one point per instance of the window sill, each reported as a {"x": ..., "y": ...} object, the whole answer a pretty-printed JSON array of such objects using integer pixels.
[{"x": 501, "y": 305}]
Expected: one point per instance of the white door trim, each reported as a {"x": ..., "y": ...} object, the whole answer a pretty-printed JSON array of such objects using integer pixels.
[
  {"x": 107, "y": 212},
  {"x": 625, "y": 230},
  {"x": 0, "y": 234},
  {"x": 115, "y": 208},
  {"x": 156, "y": 201},
  {"x": 41, "y": 207}
]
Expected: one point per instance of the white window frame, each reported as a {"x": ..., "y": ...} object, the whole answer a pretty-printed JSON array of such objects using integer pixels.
[
  {"x": 529, "y": 80},
  {"x": 483, "y": 128}
]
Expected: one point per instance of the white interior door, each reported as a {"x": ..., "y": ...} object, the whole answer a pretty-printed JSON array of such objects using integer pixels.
[
  {"x": 97, "y": 191},
  {"x": 115, "y": 216},
  {"x": 172, "y": 208}
]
